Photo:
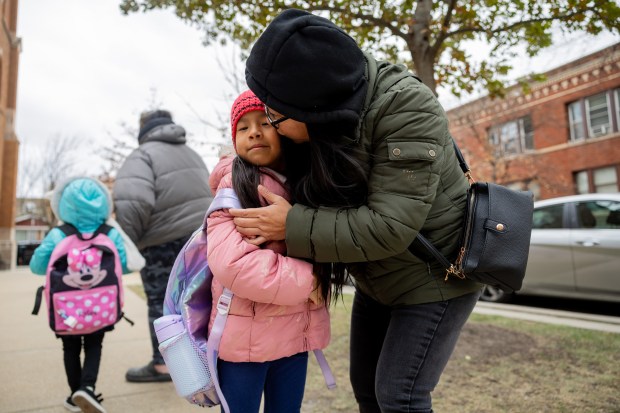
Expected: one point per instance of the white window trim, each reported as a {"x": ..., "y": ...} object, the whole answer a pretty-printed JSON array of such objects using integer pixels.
[
  {"x": 587, "y": 105},
  {"x": 617, "y": 104},
  {"x": 497, "y": 139},
  {"x": 572, "y": 124}
]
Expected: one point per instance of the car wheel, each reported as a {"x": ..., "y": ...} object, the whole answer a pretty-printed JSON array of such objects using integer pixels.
[{"x": 494, "y": 295}]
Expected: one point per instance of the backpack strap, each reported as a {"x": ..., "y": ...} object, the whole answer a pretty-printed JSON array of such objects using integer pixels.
[
  {"x": 213, "y": 343},
  {"x": 69, "y": 229},
  {"x": 103, "y": 229},
  {"x": 225, "y": 198},
  {"x": 330, "y": 381},
  {"x": 37, "y": 300}
]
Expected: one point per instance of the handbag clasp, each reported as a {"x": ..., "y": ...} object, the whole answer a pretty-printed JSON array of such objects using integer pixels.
[{"x": 453, "y": 270}]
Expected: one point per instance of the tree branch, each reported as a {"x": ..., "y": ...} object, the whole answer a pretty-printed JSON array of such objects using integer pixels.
[
  {"x": 368, "y": 17},
  {"x": 511, "y": 27},
  {"x": 443, "y": 34}
]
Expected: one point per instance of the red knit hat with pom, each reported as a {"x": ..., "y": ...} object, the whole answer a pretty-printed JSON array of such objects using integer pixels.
[{"x": 246, "y": 102}]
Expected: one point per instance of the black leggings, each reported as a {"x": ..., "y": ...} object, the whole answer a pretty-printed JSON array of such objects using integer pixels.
[
  {"x": 155, "y": 274},
  {"x": 78, "y": 375}
]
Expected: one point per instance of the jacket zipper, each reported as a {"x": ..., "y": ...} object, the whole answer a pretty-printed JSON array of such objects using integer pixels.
[{"x": 307, "y": 327}]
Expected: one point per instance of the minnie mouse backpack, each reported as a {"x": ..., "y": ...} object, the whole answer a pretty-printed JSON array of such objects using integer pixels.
[{"x": 83, "y": 283}]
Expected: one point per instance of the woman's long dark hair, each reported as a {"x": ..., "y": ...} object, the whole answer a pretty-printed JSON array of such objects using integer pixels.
[{"x": 334, "y": 177}]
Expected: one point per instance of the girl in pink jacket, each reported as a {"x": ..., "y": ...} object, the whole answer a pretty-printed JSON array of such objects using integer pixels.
[{"x": 279, "y": 311}]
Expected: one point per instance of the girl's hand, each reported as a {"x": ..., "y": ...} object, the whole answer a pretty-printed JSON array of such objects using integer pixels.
[
  {"x": 263, "y": 224},
  {"x": 200, "y": 399}
]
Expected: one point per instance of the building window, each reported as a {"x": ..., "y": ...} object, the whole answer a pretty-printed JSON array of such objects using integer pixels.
[
  {"x": 514, "y": 137},
  {"x": 594, "y": 116},
  {"x": 582, "y": 183},
  {"x": 605, "y": 180},
  {"x": 597, "y": 109},
  {"x": 601, "y": 180},
  {"x": 575, "y": 118},
  {"x": 617, "y": 103}
]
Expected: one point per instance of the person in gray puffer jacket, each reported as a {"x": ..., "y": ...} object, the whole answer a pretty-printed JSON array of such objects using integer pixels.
[{"x": 161, "y": 194}]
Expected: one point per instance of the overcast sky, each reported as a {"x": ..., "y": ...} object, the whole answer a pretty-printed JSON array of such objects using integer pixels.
[{"x": 85, "y": 68}]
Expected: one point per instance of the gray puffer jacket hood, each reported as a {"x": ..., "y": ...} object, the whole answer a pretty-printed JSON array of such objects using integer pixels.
[
  {"x": 172, "y": 133},
  {"x": 161, "y": 192}
]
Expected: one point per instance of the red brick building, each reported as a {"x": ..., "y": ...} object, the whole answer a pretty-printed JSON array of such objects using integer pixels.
[
  {"x": 562, "y": 137},
  {"x": 10, "y": 47}
]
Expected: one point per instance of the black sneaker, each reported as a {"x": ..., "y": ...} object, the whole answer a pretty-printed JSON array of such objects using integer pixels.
[
  {"x": 88, "y": 401},
  {"x": 146, "y": 374},
  {"x": 69, "y": 405}
]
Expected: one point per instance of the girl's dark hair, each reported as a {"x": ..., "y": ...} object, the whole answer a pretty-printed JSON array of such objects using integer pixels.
[
  {"x": 333, "y": 177},
  {"x": 245, "y": 180}
]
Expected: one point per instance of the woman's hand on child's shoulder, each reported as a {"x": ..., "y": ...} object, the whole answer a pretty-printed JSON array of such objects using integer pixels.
[{"x": 266, "y": 223}]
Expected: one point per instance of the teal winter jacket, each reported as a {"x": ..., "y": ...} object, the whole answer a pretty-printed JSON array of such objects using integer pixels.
[
  {"x": 84, "y": 203},
  {"x": 415, "y": 184}
]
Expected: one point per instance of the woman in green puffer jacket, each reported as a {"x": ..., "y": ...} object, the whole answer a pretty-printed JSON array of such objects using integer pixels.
[{"x": 382, "y": 168}]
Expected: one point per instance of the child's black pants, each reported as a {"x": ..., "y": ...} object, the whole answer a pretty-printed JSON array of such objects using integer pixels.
[{"x": 79, "y": 375}]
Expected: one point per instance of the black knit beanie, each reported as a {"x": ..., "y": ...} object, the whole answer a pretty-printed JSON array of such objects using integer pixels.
[
  {"x": 151, "y": 119},
  {"x": 307, "y": 68}
]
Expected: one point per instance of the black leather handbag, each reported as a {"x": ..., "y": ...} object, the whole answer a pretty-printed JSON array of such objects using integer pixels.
[{"x": 495, "y": 240}]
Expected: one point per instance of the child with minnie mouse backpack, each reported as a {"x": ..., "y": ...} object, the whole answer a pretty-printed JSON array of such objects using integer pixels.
[{"x": 83, "y": 260}]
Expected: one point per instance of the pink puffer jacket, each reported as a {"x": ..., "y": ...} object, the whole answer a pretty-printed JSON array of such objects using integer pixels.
[{"x": 270, "y": 316}]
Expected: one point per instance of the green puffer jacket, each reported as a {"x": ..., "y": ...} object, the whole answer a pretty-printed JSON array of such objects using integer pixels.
[{"x": 415, "y": 184}]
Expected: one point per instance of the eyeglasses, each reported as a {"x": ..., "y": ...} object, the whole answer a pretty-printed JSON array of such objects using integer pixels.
[{"x": 273, "y": 122}]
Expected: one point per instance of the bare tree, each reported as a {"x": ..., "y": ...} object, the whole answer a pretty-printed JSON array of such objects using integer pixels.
[
  {"x": 123, "y": 142},
  {"x": 233, "y": 71},
  {"x": 42, "y": 168},
  {"x": 115, "y": 153}
]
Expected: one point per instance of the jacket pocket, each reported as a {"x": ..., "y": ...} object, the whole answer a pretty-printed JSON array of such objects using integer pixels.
[
  {"x": 407, "y": 150},
  {"x": 406, "y": 170}
]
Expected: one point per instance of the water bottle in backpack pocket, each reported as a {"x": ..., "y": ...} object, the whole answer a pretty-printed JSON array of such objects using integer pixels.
[{"x": 186, "y": 363}]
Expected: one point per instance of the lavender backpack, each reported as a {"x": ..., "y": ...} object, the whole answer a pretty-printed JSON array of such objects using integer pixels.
[
  {"x": 83, "y": 283},
  {"x": 189, "y": 294}
]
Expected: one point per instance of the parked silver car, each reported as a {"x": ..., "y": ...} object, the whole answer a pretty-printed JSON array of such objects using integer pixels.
[{"x": 574, "y": 251}]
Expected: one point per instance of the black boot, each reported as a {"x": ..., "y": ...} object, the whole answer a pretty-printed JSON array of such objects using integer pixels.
[{"x": 146, "y": 374}]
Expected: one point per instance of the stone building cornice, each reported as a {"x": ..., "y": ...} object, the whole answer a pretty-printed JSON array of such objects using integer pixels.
[{"x": 598, "y": 67}]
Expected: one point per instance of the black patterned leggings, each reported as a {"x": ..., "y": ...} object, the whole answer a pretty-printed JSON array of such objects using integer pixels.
[{"x": 159, "y": 261}]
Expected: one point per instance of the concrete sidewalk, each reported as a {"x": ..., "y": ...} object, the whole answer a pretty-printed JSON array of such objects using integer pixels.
[
  {"x": 32, "y": 374},
  {"x": 596, "y": 322},
  {"x": 32, "y": 371}
]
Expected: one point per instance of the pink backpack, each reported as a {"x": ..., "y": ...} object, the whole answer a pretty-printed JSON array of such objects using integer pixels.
[{"x": 83, "y": 283}]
